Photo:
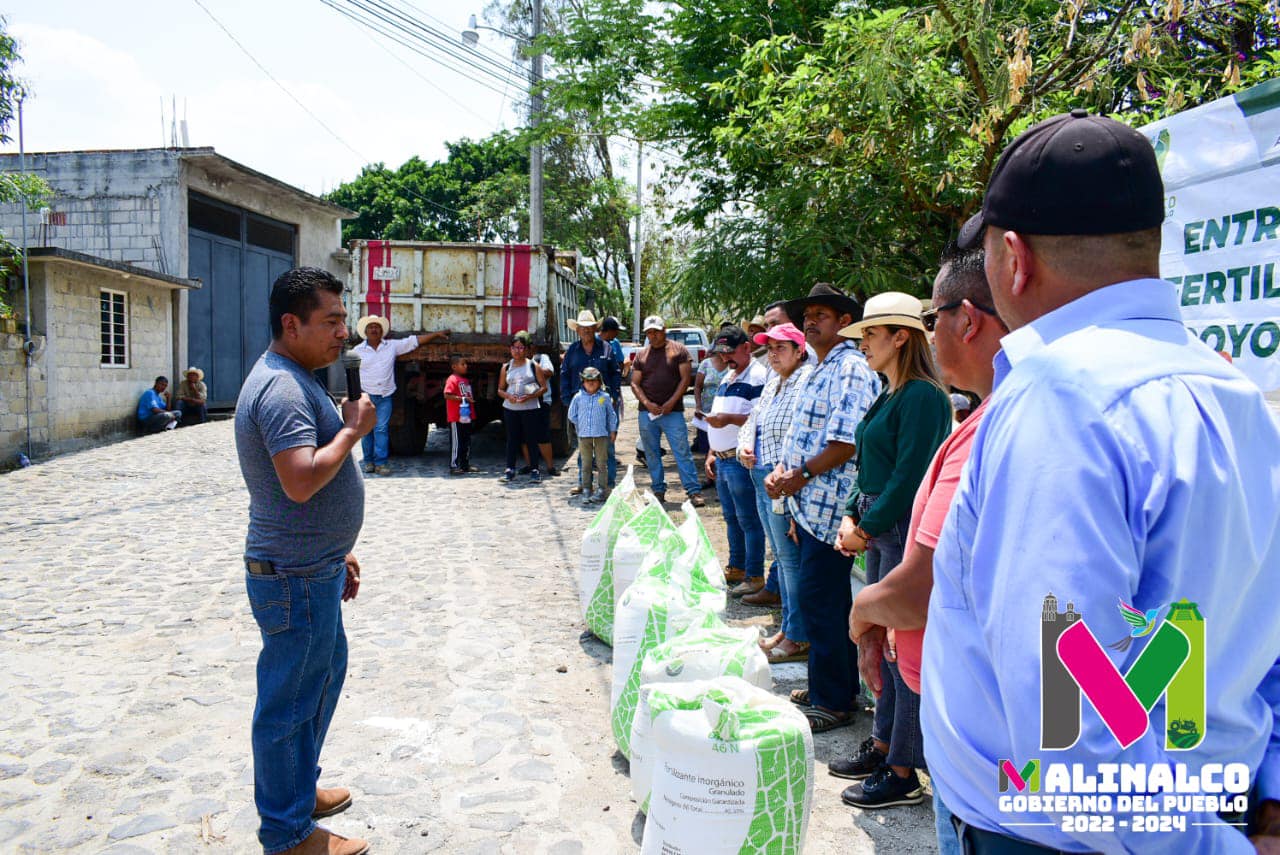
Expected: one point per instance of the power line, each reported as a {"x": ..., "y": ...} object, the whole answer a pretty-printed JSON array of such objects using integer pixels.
[
  {"x": 391, "y": 33},
  {"x": 423, "y": 77},
  {"x": 273, "y": 79},
  {"x": 431, "y": 39},
  {"x": 308, "y": 111},
  {"x": 449, "y": 41}
]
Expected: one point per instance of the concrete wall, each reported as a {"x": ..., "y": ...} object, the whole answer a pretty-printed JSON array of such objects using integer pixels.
[
  {"x": 13, "y": 402},
  {"x": 122, "y": 206},
  {"x": 319, "y": 232},
  {"x": 87, "y": 401}
]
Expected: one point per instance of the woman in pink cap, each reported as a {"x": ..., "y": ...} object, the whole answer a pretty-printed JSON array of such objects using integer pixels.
[{"x": 759, "y": 450}]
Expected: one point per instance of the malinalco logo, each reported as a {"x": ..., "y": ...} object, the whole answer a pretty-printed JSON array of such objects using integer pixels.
[
  {"x": 1026, "y": 779},
  {"x": 1170, "y": 665}
]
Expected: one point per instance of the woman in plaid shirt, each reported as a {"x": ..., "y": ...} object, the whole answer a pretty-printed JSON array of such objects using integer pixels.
[{"x": 760, "y": 450}]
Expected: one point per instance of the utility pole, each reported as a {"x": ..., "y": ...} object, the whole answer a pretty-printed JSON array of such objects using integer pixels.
[
  {"x": 535, "y": 119},
  {"x": 635, "y": 275}
]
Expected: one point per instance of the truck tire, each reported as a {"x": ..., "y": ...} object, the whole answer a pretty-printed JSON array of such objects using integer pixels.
[
  {"x": 564, "y": 439},
  {"x": 409, "y": 437}
]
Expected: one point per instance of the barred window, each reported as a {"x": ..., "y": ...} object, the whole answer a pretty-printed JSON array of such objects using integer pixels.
[{"x": 115, "y": 329}]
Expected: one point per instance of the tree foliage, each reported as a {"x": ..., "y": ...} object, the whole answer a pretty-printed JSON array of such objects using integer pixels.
[
  {"x": 14, "y": 187},
  {"x": 848, "y": 142}
]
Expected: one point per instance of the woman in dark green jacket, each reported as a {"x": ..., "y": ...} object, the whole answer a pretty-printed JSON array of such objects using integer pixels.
[{"x": 895, "y": 442}]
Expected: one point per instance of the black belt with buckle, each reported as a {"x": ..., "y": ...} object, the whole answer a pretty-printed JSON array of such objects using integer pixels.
[{"x": 260, "y": 568}]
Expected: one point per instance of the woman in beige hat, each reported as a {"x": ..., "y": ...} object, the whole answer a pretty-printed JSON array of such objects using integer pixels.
[
  {"x": 895, "y": 441},
  {"x": 192, "y": 397}
]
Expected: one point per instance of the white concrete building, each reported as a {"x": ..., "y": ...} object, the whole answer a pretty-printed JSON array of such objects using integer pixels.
[{"x": 187, "y": 213}]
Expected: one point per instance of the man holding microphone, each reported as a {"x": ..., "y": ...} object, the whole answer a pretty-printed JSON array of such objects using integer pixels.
[{"x": 306, "y": 507}]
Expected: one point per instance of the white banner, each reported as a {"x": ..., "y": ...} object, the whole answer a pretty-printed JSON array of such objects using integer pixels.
[{"x": 1221, "y": 242}]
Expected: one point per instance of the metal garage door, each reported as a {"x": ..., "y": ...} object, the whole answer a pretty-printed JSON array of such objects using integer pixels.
[{"x": 237, "y": 255}]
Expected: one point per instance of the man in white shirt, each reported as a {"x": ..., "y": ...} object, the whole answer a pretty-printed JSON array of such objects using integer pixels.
[
  {"x": 736, "y": 397},
  {"x": 378, "y": 379}
]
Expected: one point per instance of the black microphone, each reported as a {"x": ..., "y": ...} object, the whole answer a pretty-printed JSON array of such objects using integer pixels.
[{"x": 351, "y": 362}]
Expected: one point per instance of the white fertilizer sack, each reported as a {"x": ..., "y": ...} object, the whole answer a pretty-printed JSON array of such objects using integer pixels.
[
  {"x": 650, "y": 612},
  {"x": 733, "y": 776},
  {"x": 696, "y": 655},
  {"x": 595, "y": 567}
]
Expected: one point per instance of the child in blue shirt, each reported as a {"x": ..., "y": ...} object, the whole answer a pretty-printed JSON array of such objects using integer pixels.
[{"x": 596, "y": 421}]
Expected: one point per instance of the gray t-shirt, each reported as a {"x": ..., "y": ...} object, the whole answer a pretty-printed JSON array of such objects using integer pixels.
[{"x": 282, "y": 406}]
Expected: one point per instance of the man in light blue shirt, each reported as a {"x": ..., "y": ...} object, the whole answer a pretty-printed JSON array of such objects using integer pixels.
[{"x": 1121, "y": 463}]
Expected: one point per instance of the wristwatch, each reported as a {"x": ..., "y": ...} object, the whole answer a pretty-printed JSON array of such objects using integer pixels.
[{"x": 804, "y": 470}]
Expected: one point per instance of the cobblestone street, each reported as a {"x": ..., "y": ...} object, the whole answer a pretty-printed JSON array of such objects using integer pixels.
[{"x": 474, "y": 719}]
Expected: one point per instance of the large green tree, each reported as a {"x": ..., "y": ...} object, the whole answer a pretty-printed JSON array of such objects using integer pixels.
[{"x": 847, "y": 143}]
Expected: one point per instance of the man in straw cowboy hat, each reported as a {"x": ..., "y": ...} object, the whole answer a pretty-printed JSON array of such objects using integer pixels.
[
  {"x": 192, "y": 397},
  {"x": 591, "y": 351},
  {"x": 815, "y": 477},
  {"x": 1119, "y": 460},
  {"x": 378, "y": 378}
]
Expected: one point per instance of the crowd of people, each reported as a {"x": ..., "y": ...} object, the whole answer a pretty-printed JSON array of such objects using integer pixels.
[{"x": 1110, "y": 456}]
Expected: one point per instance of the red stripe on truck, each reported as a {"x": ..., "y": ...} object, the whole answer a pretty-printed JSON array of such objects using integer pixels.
[
  {"x": 517, "y": 301},
  {"x": 376, "y": 291}
]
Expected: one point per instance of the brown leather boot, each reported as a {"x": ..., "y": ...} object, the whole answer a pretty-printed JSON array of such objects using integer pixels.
[
  {"x": 331, "y": 801},
  {"x": 322, "y": 841}
]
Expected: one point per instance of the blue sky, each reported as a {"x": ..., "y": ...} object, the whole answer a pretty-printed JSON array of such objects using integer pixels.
[{"x": 99, "y": 71}]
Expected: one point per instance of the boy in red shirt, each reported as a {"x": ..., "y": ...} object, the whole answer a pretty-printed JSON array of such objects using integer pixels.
[{"x": 458, "y": 404}]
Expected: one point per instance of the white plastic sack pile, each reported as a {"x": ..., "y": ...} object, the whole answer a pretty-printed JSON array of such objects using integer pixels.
[
  {"x": 696, "y": 655},
  {"x": 651, "y": 544},
  {"x": 732, "y": 775},
  {"x": 595, "y": 567},
  {"x": 694, "y": 535},
  {"x": 651, "y": 611}
]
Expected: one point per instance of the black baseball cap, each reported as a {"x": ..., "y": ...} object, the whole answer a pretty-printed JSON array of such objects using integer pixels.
[
  {"x": 1073, "y": 174},
  {"x": 728, "y": 340},
  {"x": 610, "y": 323}
]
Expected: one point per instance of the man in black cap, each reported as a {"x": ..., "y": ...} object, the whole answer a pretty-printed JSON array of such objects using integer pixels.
[
  {"x": 1120, "y": 460},
  {"x": 816, "y": 478}
]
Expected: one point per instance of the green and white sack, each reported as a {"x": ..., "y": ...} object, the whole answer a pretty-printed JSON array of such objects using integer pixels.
[
  {"x": 650, "y": 544},
  {"x": 696, "y": 655},
  {"x": 650, "y": 612},
  {"x": 733, "y": 776},
  {"x": 706, "y": 565},
  {"x": 595, "y": 566}
]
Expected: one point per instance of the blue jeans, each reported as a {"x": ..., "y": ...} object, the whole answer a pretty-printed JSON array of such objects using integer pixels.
[
  {"x": 377, "y": 442},
  {"x": 824, "y": 596},
  {"x": 948, "y": 840},
  {"x": 897, "y": 719},
  {"x": 786, "y": 557},
  {"x": 300, "y": 673},
  {"x": 738, "y": 505},
  {"x": 677, "y": 433}
]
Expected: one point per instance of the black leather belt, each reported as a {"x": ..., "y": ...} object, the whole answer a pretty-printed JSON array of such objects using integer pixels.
[
  {"x": 979, "y": 841},
  {"x": 260, "y": 568}
]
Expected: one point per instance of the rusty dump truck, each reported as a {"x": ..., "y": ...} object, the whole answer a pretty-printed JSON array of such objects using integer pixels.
[{"x": 482, "y": 293}]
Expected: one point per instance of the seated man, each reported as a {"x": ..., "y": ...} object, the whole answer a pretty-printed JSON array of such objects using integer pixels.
[
  {"x": 192, "y": 397},
  {"x": 153, "y": 416}
]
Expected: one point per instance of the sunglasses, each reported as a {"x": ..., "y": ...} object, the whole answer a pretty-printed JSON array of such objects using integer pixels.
[{"x": 930, "y": 318}]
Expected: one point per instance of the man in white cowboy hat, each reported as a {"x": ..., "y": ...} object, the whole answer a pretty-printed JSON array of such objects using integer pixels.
[
  {"x": 378, "y": 379},
  {"x": 591, "y": 351},
  {"x": 192, "y": 397}
]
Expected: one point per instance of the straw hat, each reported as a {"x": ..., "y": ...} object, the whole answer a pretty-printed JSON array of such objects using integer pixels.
[
  {"x": 196, "y": 371},
  {"x": 585, "y": 319},
  {"x": 757, "y": 321},
  {"x": 890, "y": 308},
  {"x": 363, "y": 324}
]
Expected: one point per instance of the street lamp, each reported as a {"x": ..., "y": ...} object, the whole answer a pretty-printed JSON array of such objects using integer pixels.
[{"x": 471, "y": 38}]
